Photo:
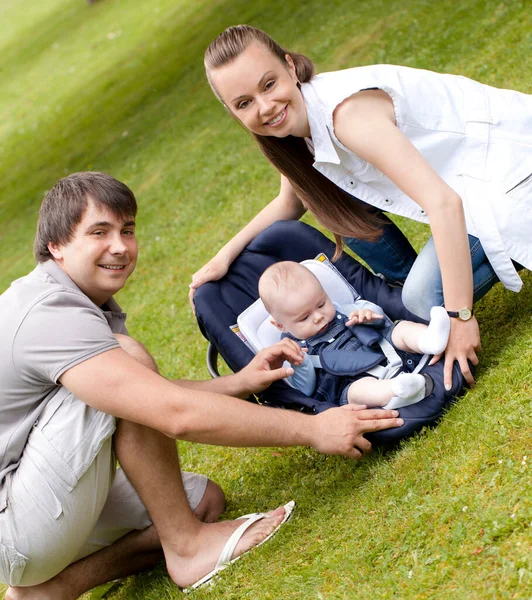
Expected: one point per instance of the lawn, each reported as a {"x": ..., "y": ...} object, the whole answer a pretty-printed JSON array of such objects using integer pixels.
[{"x": 119, "y": 87}]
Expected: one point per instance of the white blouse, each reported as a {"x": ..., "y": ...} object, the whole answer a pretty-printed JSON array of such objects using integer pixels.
[{"x": 476, "y": 137}]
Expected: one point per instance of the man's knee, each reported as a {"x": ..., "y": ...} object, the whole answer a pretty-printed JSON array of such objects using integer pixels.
[
  {"x": 212, "y": 504},
  {"x": 135, "y": 349}
]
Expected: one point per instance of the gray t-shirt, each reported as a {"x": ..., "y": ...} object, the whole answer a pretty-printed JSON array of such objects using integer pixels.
[{"x": 47, "y": 325}]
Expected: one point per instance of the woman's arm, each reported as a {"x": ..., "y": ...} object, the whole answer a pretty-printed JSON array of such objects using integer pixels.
[
  {"x": 284, "y": 207},
  {"x": 365, "y": 123}
]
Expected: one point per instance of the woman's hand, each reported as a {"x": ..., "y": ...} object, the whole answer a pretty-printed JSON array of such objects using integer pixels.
[
  {"x": 215, "y": 269},
  {"x": 463, "y": 345}
]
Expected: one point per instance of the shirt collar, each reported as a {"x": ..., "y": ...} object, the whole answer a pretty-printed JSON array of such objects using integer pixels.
[
  {"x": 324, "y": 150},
  {"x": 336, "y": 326},
  {"x": 110, "y": 309}
]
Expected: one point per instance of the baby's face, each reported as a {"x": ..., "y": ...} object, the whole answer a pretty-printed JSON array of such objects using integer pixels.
[{"x": 306, "y": 312}]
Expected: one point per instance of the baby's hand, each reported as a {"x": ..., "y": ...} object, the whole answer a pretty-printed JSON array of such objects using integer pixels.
[{"x": 364, "y": 315}]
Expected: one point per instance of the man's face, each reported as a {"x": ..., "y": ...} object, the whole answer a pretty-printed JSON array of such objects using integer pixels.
[{"x": 101, "y": 255}]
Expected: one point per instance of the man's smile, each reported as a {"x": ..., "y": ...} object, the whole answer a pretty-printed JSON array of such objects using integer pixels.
[{"x": 113, "y": 267}]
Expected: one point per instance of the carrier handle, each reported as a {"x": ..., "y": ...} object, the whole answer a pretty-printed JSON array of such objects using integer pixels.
[{"x": 212, "y": 361}]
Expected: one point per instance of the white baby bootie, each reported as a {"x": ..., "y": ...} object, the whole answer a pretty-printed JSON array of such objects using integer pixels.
[
  {"x": 408, "y": 388},
  {"x": 434, "y": 339}
]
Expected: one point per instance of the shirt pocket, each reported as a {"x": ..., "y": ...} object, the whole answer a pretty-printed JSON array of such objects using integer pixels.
[
  {"x": 39, "y": 487},
  {"x": 71, "y": 434},
  {"x": 12, "y": 565}
]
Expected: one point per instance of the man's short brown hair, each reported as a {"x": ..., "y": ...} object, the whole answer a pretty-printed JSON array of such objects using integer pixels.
[{"x": 64, "y": 205}]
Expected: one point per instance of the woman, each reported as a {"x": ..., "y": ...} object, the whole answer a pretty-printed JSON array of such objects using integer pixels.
[{"x": 440, "y": 149}]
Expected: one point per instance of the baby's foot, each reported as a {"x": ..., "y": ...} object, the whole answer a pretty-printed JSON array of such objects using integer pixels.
[
  {"x": 408, "y": 388},
  {"x": 434, "y": 339}
]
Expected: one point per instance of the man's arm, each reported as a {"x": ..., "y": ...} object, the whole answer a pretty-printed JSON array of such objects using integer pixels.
[
  {"x": 265, "y": 368},
  {"x": 116, "y": 383}
]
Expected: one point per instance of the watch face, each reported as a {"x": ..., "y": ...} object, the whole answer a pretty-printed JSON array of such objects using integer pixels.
[{"x": 464, "y": 314}]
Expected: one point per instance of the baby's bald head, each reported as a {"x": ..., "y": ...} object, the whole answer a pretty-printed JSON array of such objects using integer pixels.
[{"x": 281, "y": 280}]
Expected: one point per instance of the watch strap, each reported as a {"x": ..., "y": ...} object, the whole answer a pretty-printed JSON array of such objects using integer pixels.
[{"x": 464, "y": 314}]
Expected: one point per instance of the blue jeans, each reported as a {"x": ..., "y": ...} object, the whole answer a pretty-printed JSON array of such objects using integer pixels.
[
  {"x": 391, "y": 255},
  {"x": 423, "y": 287}
]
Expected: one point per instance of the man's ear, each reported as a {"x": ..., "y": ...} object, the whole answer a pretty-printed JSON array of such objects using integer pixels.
[
  {"x": 278, "y": 325},
  {"x": 55, "y": 250}
]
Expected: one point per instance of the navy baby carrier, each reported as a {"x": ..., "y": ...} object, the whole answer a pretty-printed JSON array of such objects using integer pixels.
[{"x": 219, "y": 303}]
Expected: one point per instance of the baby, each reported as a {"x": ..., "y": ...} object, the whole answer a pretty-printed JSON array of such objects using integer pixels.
[{"x": 301, "y": 309}]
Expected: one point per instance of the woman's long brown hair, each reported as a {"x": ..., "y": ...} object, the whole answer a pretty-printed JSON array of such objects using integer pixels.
[{"x": 333, "y": 208}]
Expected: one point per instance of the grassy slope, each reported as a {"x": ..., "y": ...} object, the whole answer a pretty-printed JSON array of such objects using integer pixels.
[{"x": 118, "y": 86}]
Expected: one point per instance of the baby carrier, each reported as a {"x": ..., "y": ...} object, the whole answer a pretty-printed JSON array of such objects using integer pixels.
[
  {"x": 220, "y": 304},
  {"x": 340, "y": 354}
]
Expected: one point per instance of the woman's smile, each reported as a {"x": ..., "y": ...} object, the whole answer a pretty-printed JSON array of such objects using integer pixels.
[{"x": 278, "y": 119}]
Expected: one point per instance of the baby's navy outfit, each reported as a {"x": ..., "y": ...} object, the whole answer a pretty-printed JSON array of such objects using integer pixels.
[{"x": 345, "y": 352}]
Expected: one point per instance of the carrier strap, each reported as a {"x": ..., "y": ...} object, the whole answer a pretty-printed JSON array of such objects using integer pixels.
[
  {"x": 424, "y": 360},
  {"x": 394, "y": 362},
  {"x": 379, "y": 371},
  {"x": 315, "y": 361}
]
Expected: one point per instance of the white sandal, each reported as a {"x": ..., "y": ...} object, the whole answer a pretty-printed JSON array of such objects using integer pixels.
[{"x": 227, "y": 551}]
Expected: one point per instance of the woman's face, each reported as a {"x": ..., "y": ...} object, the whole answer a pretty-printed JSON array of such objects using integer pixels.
[{"x": 261, "y": 91}]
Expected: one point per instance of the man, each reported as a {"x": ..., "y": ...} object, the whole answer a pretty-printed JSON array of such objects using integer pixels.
[{"x": 79, "y": 394}]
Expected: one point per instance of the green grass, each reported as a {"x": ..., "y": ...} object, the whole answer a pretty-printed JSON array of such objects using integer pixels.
[{"x": 118, "y": 86}]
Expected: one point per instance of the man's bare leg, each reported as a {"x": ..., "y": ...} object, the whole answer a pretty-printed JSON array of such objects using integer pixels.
[{"x": 191, "y": 548}]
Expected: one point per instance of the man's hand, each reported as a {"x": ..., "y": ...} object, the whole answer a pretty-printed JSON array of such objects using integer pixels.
[
  {"x": 267, "y": 366},
  {"x": 463, "y": 345},
  {"x": 341, "y": 430}
]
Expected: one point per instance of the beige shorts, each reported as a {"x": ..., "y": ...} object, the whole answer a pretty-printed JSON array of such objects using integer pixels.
[{"x": 66, "y": 499}]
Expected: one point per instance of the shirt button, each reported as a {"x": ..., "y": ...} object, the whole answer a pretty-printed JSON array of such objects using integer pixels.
[
  {"x": 352, "y": 183},
  {"x": 388, "y": 202},
  {"x": 422, "y": 212}
]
